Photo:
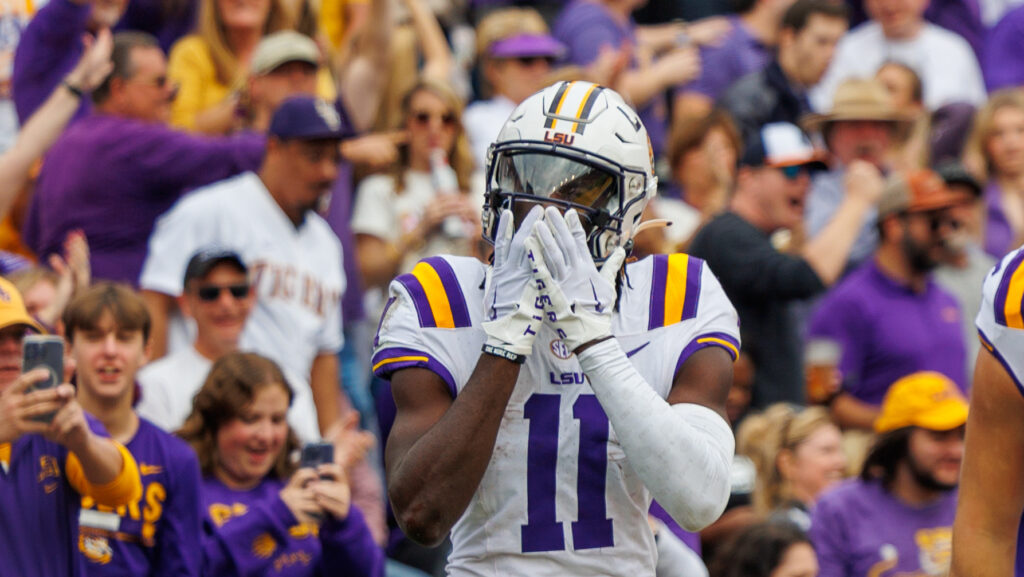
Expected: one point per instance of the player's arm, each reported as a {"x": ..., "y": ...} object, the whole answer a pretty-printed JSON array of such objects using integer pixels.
[{"x": 992, "y": 477}]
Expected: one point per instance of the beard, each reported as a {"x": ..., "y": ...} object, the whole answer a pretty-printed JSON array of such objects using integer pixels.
[
  {"x": 925, "y": 478},
  {"x": 918, "y": 255}
]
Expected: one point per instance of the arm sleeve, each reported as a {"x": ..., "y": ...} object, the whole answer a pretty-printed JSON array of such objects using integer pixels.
[
  {"x": 191, "y": 68},
  {"x": 124, "y": 489},
  {"x": 828, "y": 537},
  {"x": 179, "y": 542},
  {"x": 717, "y": 324},
  {"x": 246, "y": 545},
  {"x": 349, "y": 548},
  {"x": 585, "y": 47},
  {"x": 52, "y": 41}
]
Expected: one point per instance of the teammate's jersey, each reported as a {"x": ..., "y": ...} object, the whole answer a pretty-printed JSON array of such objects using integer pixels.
[
  {"x": 559, "y": 495},
  {"x": 160, "y": 533}
]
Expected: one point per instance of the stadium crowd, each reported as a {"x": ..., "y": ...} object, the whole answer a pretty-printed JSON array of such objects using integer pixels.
[{"x": 208, "y": 200}]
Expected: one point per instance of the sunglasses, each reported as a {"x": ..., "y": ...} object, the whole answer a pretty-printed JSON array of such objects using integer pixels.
[
  {"x": 938, "y": 220},
  {"x": 531, "y": 60},
  {"x": 423, "y": 118},
  {"x": 794, "y": 172},
  {"x": 211, "y": 292}
]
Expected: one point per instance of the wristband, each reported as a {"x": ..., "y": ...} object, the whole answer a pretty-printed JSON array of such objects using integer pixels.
[
  {"x": 504, "y": 354},
  {"x": 76, "y": 91}
]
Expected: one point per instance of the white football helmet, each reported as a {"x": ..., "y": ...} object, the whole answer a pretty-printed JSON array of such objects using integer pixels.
[{"x": 573, "y": 145}]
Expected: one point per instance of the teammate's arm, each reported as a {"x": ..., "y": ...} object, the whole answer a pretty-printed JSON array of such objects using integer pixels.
[
  {"x": 439, "y": 448},
  {"x": 992, "y": 477}
]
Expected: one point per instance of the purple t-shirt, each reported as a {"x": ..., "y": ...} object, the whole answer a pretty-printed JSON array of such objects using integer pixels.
[
  {"x": 1002, "y": 61},
  {"x": 48, "y": 49},
  {"x": 166, "y": 21},
  {"x": 254, "y": 533},
  {"x": 737, "y": 55},
  {"x": 585, "y": 26},
  {"x": 886, "y": 331},
  {"x": 112, "y": 177},
  {"x": 998, "y": 234},
  {"x": 39, "y": 510},
  {"x": 860, "y": 529},
  {"x": 159, "y": 534}
]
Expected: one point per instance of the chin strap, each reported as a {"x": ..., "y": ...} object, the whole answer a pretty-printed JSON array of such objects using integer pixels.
[{"x": 652, "y": 223}]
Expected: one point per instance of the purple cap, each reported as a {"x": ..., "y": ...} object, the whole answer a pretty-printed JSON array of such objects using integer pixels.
[
  {"x": 307, "y": 118},
  {"x": 527, "y": 45}
]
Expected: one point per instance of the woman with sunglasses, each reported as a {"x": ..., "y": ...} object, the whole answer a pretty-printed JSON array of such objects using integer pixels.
[
  {"x": 262, "y": 514},
  {"x": 404, "y": 216}
]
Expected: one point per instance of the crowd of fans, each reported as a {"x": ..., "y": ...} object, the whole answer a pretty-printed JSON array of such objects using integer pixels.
[{"x": 209, "y": 198}]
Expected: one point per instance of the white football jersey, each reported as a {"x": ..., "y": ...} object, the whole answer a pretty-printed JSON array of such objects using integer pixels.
[
  {"x": 559, "y": 496},
  {"x": 1000, "y": 321}
]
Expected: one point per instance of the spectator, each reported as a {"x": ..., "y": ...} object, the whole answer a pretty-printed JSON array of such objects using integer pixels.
[
  {"x": 107, "y": 328},
  {"x": 798, "y": 454},
  {"x": 52, "y": 44},
  {"x": 49, "y": 467},
  {"x": 898, "y": 31},
  {"x": 860, "y": 129},
  {"x": 123, "y": 155},
  {"x": 589, "y": 28},
  {"x": 402, "y": 217},
  {"x": 298, "y": 278},
  {"x": 898, "y": 516},
  {"x": 516, "y": 54},
  {"x": 965, "y": 265},
  {"x": 1001, "y": 62},
  {"x": 889, "y": 317},
  {"x": 767, "y": 550},
  {"x": 747, "y": 47},
  {"x": 47, "y": 291},
  {"x": 284, "y": 64},
  {"x": 262, "y": 516},
  {"x": 210, "y": 65},
  {"x": 778, "y": 93},
  {"x": 761, "y": 281},
  {"x": 995, "y": 150},
  {"x": 909, "y": 146}
]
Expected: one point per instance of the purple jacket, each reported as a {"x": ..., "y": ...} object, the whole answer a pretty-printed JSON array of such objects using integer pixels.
[
  {"x": 253, "y": 533},
  {"x": 49, "y": 48},
  {"x": 112, "y": 177}
]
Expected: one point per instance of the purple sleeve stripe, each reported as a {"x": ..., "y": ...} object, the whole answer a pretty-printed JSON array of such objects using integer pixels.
[
  {"x": 456, "y": 299},
  {"x": 721, "y": 340},
  {"x": 694, "y": 269},
  {"x": 1004, "y": 288},
  {"x": 987, "y": 345},
  {"x": 419, "y": 299},
  {"x": 657, "y": 311},
  {"x": 387, "y": 361}
]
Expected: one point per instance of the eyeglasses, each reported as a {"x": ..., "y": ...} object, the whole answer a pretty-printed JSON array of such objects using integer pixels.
[
  {"x": 793, "y": 172},
  {"x": 423, "y": 118},
  {"x": 212, "y": 292}
]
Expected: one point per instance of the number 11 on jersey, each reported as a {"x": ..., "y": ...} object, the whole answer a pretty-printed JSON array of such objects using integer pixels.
[{"x": 592, "y": 529}]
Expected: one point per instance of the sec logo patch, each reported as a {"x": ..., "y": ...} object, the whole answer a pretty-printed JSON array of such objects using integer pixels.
[{"x": 560, "y": 349}]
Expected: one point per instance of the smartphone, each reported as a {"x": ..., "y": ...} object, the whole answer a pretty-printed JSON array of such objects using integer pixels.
[
  {"x": 316, "y": 454},
  {"x": 43, "y": 351}
]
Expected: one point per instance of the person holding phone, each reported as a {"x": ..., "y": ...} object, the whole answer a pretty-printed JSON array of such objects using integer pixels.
[
  {"x": 262, "y": 514},
  {"x": 47, "y": 467}
]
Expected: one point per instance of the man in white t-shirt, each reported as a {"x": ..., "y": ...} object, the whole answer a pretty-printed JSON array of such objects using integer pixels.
[
  {"x": 218, "y": 297},
  {"x": 293, "y": 256},
  {"x": 898, "y": 32}
]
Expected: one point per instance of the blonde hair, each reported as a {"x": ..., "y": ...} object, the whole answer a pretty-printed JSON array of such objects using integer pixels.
[
  {"x": 764, "y": 436},
  {"x": 976, "y": 151},
  {"x": 210, "y": 27},
  {"x": 460, "y": 157}
]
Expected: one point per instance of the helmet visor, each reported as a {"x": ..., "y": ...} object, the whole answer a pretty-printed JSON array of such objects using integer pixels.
[{"x": 560, "y": 178}]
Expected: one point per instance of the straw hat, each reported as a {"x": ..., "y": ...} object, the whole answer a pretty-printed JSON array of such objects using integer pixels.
[{"x": 857, "y": 99}]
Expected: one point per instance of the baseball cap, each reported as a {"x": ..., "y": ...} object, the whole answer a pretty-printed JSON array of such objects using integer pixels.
[
  {"x": 917, "y": 191},
  {"x": 283, "y": 47},
  {"x": 12, "y": 308},
  {"x": 927, "y": 399},
  {"x": 780, "y": 144},
  {"x": 307, "y": 118},
  {"x": 525, "y": 45},
  {"x": 203, "y": 262},
  {"x": 952, "y": 172}
]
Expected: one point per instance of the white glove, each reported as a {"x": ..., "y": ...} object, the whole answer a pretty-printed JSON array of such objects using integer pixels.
[
  {"x": 511, "y": 305},
  {"x": 578, "y": 298}
]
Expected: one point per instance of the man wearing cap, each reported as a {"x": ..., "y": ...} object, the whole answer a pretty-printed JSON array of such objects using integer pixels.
[
  {"x": 284, "y": 64},
  {"x": 897, "y": 518},
  {"x": 889, "y": 317},
  {"x": 762, "y": 281},
  {"x": 861, "y": 127},
  {"x": 218, "y": 297},
  {"x": 112, "y": 173},
  {"x": 46, "y": 467}
]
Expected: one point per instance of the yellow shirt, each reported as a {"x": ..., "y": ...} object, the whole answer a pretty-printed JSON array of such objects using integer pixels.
[
  {"x": 332, "y": 19},
  {"x": 191, "y": 67}
]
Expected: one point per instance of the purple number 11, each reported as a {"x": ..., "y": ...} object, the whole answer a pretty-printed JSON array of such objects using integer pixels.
[{"x": 591, "y": 529}]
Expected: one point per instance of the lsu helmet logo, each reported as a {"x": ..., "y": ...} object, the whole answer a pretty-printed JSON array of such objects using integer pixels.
[{"x": 558, "y": 138}]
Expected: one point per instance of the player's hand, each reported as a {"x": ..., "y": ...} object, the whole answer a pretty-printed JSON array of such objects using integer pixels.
[
  {"x": 331, "y": 491},
  {"x": 510, "y": 293},
  {"x": 17, "y": 408},
  {"x": 579, "y": 297},
  {"x": 300, "y": 498}
]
